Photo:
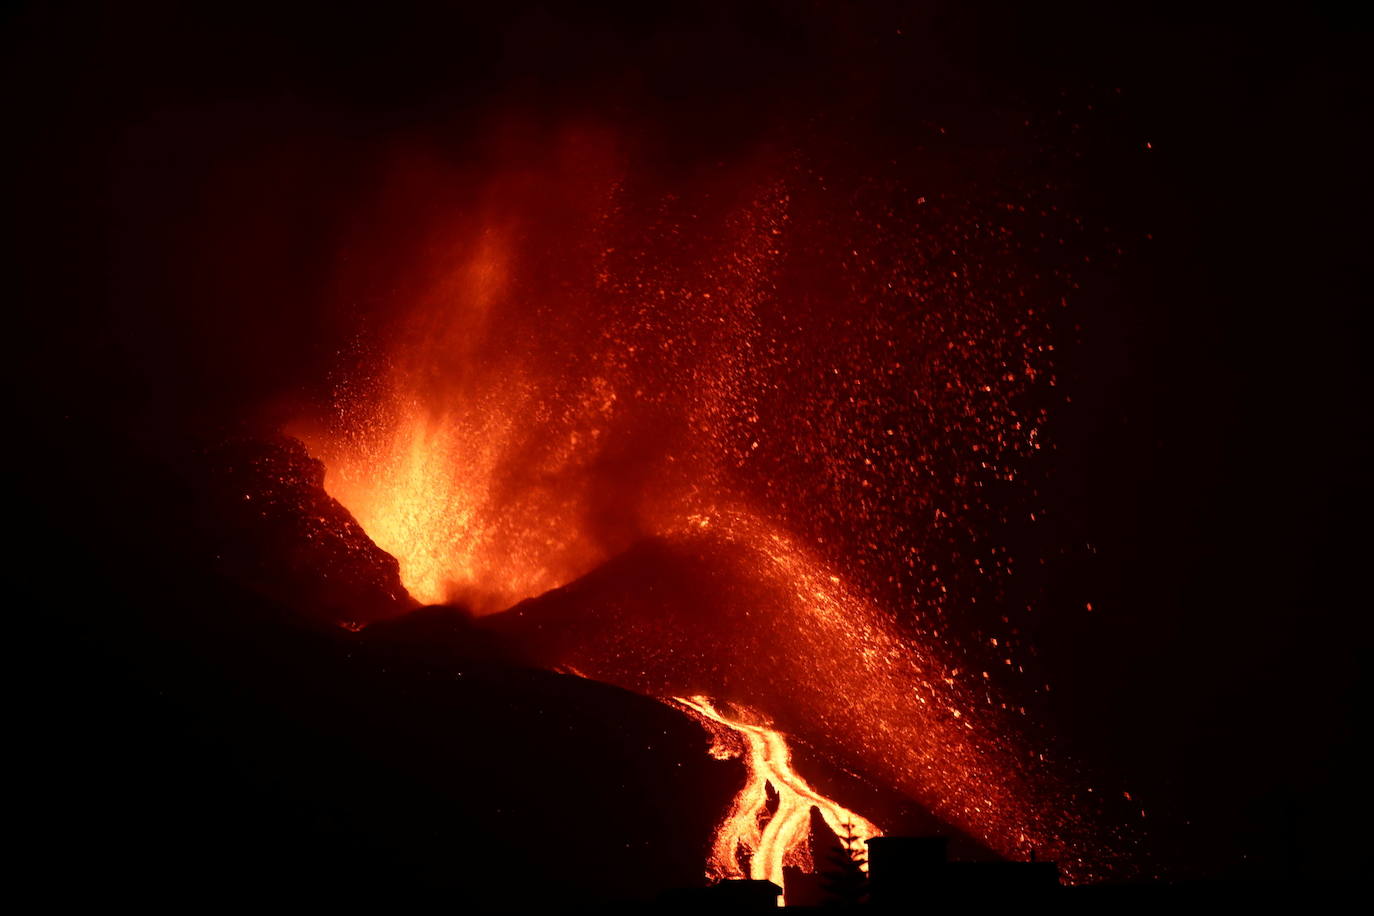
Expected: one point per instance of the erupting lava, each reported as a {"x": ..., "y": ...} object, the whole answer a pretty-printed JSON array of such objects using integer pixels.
[
  {"x": 819, "y": 392},
  {"x": 769, "y": 841}
]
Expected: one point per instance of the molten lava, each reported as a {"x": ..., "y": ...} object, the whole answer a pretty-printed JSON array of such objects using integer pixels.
[
  {"x": 822, "y": 394},
  {"x": 472, "y": 480},
  {"x": 769, "y": 841}
]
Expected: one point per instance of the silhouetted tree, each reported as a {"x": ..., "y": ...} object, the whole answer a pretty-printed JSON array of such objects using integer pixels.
[{"x": 846, "y": 883}]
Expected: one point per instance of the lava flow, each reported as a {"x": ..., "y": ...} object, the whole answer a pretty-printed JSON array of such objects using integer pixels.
[
  {"x": 752, "y": 435},
  {"x": 781, "y": 838}
]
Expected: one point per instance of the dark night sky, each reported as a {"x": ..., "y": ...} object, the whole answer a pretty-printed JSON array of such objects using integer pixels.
[{"x": 1215, "y": 453}]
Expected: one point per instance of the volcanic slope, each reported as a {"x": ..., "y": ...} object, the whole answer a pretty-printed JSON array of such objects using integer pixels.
[{"x": 728, "y": 609}]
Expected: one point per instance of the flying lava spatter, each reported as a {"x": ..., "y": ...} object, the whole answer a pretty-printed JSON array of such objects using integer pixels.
[{"x": 818, "y": 389}]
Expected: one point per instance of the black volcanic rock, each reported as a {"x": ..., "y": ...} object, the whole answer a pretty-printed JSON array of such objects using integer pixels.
[
  {"x": 279, "y": 532},
  {"x": 670, "y": 616},
  {"x": 656, "y": 618},
  {"x": 441, "y": 636}
]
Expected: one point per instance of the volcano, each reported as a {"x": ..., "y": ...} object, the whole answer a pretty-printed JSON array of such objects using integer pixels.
[
  {"x": 285, "y": 538},
  {"x": 725, "y": 610},
  {"x": 542, "y": 455}
]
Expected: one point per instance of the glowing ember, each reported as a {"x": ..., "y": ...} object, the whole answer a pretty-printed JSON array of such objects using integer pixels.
[{"x": 769, "y": 841}]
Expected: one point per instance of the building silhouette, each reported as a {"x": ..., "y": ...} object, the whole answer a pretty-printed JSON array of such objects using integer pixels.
[{"x": 908, "y": 871}]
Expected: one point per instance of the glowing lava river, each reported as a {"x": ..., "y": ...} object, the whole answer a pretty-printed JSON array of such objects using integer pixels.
[
  {"x": 750, "y": 438},
  {"x": 780, "y": 840}
]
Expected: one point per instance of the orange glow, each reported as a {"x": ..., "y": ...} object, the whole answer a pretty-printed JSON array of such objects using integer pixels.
[
  {"x": 566, "y": 369},
  {"x": 475, "y": 461},
  {"x": 780, "y": 839}
]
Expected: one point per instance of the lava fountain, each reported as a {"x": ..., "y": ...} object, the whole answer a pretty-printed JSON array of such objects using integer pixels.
[{"x": 818, "y": 389}]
